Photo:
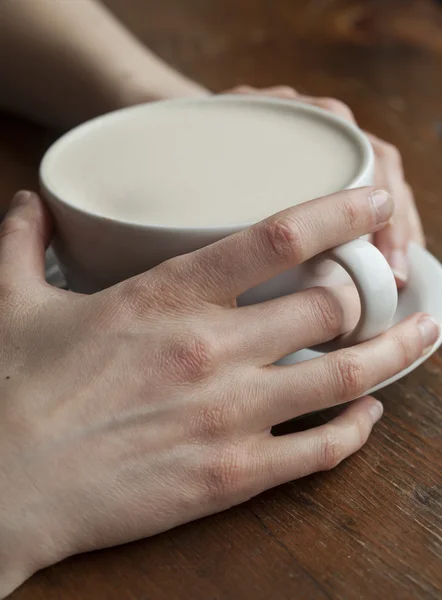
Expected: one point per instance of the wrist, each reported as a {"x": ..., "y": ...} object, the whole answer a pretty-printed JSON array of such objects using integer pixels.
[
  {"x": 25, "y": 547},
  {"x": 12, "y": 571},
  {"x": 133, "y": 89},
  {"x": 21, "y": 555}
]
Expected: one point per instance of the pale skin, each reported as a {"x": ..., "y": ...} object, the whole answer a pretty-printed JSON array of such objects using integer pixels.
[
  {"x": 128, "y": 412},
  {"x": 149, "y": 404}
]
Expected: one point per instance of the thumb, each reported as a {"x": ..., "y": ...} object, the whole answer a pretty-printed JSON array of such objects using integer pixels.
[{"x": 24, "y": 235}]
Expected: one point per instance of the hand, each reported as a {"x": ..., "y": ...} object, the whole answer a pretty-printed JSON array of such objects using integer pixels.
[
  {"x": 405, "y": 225},
  {"x": 147, "y": 405}
]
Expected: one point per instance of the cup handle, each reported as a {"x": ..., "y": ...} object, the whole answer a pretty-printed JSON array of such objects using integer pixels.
[{"x": 376, "y": 286}]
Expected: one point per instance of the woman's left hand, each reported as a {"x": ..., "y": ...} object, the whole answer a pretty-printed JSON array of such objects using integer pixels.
[{"x": 405, "y": 226}]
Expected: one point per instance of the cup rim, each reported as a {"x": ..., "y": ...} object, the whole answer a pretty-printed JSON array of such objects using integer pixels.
[{"x": 53, "y": 197}]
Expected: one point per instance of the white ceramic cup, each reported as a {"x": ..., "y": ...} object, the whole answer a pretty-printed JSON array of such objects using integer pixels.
[{"x": 96, "y": 252}]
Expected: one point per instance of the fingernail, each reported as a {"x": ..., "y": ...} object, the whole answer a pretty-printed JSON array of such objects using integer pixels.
[
  {"x": 399, "y": 265},
  {"x": 382, "y": 205},
  {"x": 430, "y": 331},
  {"x": 376, "y": 411},
  {"x": 21, "y": 198}
]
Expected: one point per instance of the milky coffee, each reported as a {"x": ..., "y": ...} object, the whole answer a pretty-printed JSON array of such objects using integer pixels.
[{"x": 204, "y": 164}]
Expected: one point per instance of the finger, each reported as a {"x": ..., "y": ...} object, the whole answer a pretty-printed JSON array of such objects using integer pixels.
[
  {"x": 237, "y": 263},
  {"x": 241, "y": 89},
  {"x": 393, "y": 240},
  {"x": 288, "y": 457},
  {"x": 397, "y": 235},
  {"x": 271, "y": 330},
  {"x": 341, "y": 376},
  {"x": 416, "y": 230},
  {"x": 281, "y": 91},
  {"x": 332, "y": 105},
  {"x": 284, "y": 92},
  {"x": 393, "y": 243},
  {"x": 24, "y": 236}
]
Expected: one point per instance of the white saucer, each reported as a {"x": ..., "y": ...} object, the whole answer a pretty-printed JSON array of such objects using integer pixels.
[{"x": 423, "y": 293}]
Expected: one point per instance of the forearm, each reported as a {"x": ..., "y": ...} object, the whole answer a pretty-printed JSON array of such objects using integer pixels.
[{"x": 62, "y": 62}]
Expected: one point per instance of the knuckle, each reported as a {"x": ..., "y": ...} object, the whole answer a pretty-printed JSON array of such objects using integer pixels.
[
  {"x": 348, "y": 374},
  {"x": 336, "y": 106},
  {"x": 135, "y": 294},
  {"x": 173, "y": 282},
  {"x": 212, "y": 420},
  {"x": 242, "y": 89},
  {"x": 224, "y": 475},
  {"x": 388, "y": 151},
  {"x": 362, "y": 431},
  {"x": 148, "y": 291},
  {"x": 285, "y": 91},
  {"x": 327, "y": 309},
  {"x": 192, "y": 358},
  {"x": 282, "y": 237},
  {"x": 351, "y": 214},
  {"x": 331, "y": 450},
  {"x": 405, "y": 351}
]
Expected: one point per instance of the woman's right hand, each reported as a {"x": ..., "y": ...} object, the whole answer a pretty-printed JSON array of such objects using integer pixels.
[{"x": 149, "y": 404}]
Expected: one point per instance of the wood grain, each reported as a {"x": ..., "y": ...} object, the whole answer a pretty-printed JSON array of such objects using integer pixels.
[{"x": 372, "y": 528}]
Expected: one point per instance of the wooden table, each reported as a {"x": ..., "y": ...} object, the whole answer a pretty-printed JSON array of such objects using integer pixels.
[{"x": 372, "y": 528}]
